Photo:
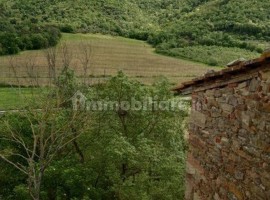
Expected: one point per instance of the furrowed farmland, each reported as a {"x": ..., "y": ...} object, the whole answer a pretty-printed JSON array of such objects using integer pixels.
[{"x": 107, "y": 55}]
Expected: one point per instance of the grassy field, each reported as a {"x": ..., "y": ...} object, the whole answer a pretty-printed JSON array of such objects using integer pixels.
[
  {"x": 16, "y": 98},
  {"x": 213, "y": 55},
  {"x": 108, "y": 55}
]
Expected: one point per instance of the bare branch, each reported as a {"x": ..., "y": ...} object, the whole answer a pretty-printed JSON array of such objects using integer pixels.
[
  {"x": 18, "y": 139},
  {"x": 13, "y": 164},
  {"x": 13, "y": 63},
  {"x": 85, "y": 59},
  {"x": 66, "y": 56},
  {"x": 51, "y": 56}
]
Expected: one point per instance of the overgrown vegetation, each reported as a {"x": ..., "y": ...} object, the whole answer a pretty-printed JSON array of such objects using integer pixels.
[
  {"x": 120, "y": 153},
  {"x": 171, "y": 26},
  {"x": 212, "y": 55},
  {"x": 25, "y": 36},
  {"x": 18, "y": 34}
]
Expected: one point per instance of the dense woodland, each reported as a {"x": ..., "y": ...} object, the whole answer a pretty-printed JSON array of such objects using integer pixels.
[{"x": 176, "y": 28}]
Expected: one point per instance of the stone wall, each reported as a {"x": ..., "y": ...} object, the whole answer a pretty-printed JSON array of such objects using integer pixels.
[{"x": 229, "y": 155}]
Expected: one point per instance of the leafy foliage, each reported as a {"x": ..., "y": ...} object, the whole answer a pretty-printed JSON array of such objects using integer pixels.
[
  {"x": 166, "y": 24},
  {"x": 211, "y": 55},
  {"x": 128, "y": 153},
  {"x": 24, "y": 34}
]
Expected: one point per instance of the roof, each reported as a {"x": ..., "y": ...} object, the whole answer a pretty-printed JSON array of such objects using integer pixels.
[{"x": 235, "y": 68}]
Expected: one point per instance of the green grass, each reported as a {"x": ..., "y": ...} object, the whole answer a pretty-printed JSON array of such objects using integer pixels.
[
  {"x": 110, "y": 54},
  {"x": 212, "y": 55},
  {"x": 16, "y": 98},
  {"x": 67, "y": 37}
]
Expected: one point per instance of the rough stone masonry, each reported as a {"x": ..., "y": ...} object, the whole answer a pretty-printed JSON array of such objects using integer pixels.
[{"x": 229, "y": 129}]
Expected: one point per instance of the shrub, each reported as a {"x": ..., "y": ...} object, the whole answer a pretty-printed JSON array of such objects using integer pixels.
[
  {"x": 9, "y": 43},
  {"x": 67, "y": 29},
  {"x": 139, "y": 35},
  {"x": 26, "y": 43},
  {"x": 39, "y": 41},
  {"x": 53, "y": 35},
  {"x": 213, "y": 62}
]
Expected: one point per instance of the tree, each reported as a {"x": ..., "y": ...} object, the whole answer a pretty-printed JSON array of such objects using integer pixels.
[
  {"x": 31, "y": 139},
  {"x": 85, "y": 59},
  {"x": 51, "y": 56},
  {"x": 9, "y": 43},
  {"x": 66, "y": 56},
  {"x": 31, "y": 71},
  {"x": 139, "y": 152},
  {"x": 125, "y": 152},
  {"x": 39, "y": 41},
  {"x": 13, "y": 65}
]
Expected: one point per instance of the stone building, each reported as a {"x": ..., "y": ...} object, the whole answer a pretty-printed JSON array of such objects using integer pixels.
[{"x": 229, "y": 154}]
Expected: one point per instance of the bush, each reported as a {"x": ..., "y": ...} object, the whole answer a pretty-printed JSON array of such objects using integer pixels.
[
  {"x": 139, "y": 35},
  {"x": 67, "y": 29},
  {"x": 21, "y": 192},
  {"x": 26, "y": 43},
  {"x": 53, "y": 35},
  {"x": 213, "y": 62},
  {"x": 9, "y": 43},
  {"x": 26, "y": 37},
  {"x": 39, "y": 41}
]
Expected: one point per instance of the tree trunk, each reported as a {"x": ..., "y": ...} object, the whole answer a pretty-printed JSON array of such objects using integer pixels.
[
  {"x": 76, "y": 146},
  {"x": 35, "y": 185},
  {"x": 52, "y": 193},
  {"x": 79, "y": 151}
]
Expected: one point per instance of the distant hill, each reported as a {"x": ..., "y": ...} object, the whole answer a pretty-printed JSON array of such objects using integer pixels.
[{"x": 193, "y": 29}]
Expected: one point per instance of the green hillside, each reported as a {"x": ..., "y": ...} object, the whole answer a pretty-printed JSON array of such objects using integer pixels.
[
  {"x": 243, "y": 24},
  {"x": 176, "y": 28}
]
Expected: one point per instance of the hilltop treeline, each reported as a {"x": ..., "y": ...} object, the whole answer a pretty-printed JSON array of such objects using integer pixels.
[{"x": 171, "y": 26}]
